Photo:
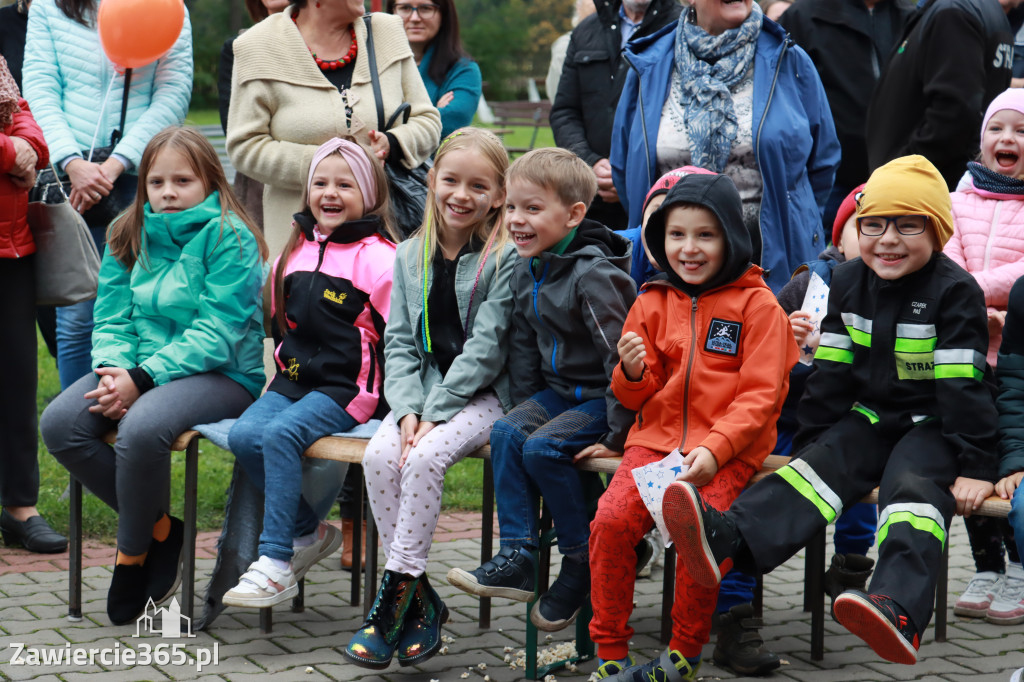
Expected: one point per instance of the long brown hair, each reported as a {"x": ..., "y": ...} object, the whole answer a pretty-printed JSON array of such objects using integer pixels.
[
  {"x": 381, "y": 209},
  {"x": 124, "y": 238},
  {"x": 82, "y": 11}
]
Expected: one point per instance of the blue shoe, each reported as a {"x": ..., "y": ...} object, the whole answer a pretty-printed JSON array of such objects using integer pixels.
[
  {"x": 373, "y": 645},
  {"x": 671, "y": 666},
  {"x": 510, "y": 574},
  {"x": 421, "y": 636}
]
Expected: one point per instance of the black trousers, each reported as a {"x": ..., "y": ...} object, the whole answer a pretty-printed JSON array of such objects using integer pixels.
[
  {"x": 19, "y": 462},
  {"x": 913, "y": 470}
]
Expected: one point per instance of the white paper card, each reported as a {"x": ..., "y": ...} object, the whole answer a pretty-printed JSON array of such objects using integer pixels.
[
  {"x": 815, "y": 304},
  {"x": 652, "y": 480}
]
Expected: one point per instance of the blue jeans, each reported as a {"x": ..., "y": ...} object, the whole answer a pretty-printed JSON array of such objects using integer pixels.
[
  {"x": 531, "y": 451},
  {"x": 74, "y": 331},
  {"x": 1017, "y": 518},
  {"x": 268, "y": 440}
]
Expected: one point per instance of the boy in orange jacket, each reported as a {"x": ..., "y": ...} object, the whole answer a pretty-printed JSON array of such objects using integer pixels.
[{"x": 705, "y": 357}]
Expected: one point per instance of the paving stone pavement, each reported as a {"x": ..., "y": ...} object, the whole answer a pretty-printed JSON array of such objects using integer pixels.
[{"x": 308, "y": 645}]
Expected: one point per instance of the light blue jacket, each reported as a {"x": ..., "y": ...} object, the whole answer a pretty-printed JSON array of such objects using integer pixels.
[
  {"x": 67, "y": 77},
  {"x": 795, "y": 142},
  {"x": 412, "y": 379},
  {"x": 464, "y": 81}
]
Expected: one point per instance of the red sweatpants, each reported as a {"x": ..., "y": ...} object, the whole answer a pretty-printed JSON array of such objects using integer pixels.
[{"x": 620, "y": 523}]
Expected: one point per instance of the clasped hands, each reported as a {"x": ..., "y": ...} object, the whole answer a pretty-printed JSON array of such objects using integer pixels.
[{"x": 115, "y": 393}]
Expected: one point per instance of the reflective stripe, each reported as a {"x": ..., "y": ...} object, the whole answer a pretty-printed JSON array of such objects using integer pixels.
[
  {"x": 812, "y": 490},
  {"x": 836, "y": 341},
  {"x": 834, "y": 354},
  {"x": 915, "y": 331},
  {"x": 959, "y": 363},
  {"x": 920, "y": 418},
  {"x": 915, "y": 345},
  {"x": 923, "y": 517},
  {"x": 858, "y": 328},
  {"x": 822, "y": 488},
  {"x": 871, "y": 415}
]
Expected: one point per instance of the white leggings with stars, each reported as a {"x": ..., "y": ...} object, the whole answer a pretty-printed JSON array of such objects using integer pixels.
[{"x": 406, "y": 502}]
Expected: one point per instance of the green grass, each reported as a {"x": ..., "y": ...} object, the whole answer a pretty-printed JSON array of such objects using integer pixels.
[{"x": 202, "y": 117}]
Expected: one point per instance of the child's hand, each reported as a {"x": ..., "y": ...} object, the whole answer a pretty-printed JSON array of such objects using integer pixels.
[
  {"x": 115, "y": 393},
  {"x": 632, "y": 353},
  {"x": 703, "y": 467},
  {"x": 594, "y": 451},
  {"x": 407, "y": 427},
  {"x": 380, "y": 145},
  {"x": 996, "y": 320},
  {"x": 1008, "y": 485},
  {"x": 422, "y": 429},
  {"x": 970, "y": 493},
  {"x": 799, "y": 320}
]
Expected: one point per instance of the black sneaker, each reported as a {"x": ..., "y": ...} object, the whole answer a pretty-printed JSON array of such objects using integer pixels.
[
  {"x": 126, "y": 599},
  {"x": 880, "y": 622},
  {"x": 739, "y": 646},
  {"x": 706, "y": 539},
  {"x": 847, "y": 572},
  {"x": 558, "y": 607},
  {"x": 509, "y": 574},
  {"x": 164, "y": 563}
]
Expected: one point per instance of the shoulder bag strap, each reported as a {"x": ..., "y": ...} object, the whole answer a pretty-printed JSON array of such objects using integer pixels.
[
  {"x": 119, "y": 133},
  {"x": 374, "y": 80}
]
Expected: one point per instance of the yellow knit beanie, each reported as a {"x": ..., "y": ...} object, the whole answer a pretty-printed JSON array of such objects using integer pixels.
[{"x": 910, "y": 185}]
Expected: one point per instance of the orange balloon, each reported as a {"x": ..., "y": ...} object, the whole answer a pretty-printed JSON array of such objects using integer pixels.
[{"x": 138, "y": 32}]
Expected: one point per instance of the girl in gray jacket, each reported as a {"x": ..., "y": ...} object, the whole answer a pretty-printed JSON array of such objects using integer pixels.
[{"x": 445, "y": 353}]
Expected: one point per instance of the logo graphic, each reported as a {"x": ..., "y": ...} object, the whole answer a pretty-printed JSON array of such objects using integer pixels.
[
  {"x": 172, "y": 623},
  {"x": 334, "y": 296},
  {"x": 723, "y": 337}
]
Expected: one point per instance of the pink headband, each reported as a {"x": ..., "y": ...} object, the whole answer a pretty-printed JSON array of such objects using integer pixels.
[{"x": 356, "y": 159}]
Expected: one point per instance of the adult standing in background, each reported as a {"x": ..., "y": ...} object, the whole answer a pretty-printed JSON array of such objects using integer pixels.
[
  {"x": 302, "y": 77},
  {"x": 724, "y": 89},
  {"x": 583, "y": 110},
  {"x": 849, "y": 42},
  {"x": 452, "y": 79},
  {"x": 75, "y": 94},
  {"x": 13, "y": 25},
  {"x": 952, "y": 59},
  {"x": 581, "y": 10}
]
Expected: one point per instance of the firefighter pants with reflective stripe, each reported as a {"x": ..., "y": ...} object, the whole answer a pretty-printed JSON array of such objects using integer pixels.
[{"x": 913, "y": 471}]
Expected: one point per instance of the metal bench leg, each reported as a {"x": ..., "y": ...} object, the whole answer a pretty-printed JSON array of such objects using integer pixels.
[
  {"x": 188, "y": 577},
  {"x": 941, "y": 595},
  {"x": 815, "y": 578},
  {"x": 759, "y": 596},
  {"x": 299, "y": 600},
  {"x": 487, "y": 537},
  {"x": 357, "y": 543},
  {"x": 371, "y": 561},
  {"x": 668, "y": 593},
  {"x": 75, "y": 551},
  {"x": 266, "y": 620}
]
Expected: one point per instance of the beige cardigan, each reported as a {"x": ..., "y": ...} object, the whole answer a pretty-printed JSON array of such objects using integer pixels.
[{"x": 283, "y": 108}]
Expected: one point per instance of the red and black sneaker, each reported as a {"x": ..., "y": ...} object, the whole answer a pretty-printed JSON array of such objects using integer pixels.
[
  {"x": 705, "y": 538},
  {"x": 880, "y": 622}
]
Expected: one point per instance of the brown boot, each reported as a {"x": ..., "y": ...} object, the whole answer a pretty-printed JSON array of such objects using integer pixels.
[{"x": 347, "y": 528}]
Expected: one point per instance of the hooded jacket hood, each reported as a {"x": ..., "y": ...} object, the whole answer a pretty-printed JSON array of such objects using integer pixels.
[{"x": 718, "y": 194}]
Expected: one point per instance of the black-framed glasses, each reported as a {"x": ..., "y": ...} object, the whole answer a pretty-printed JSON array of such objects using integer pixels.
[
  {"x": 907, "y": 225},
  {"x": 425, "y": 11}
]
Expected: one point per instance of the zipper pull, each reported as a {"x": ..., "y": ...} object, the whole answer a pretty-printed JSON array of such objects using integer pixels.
[{"x": 694, "y": 307}]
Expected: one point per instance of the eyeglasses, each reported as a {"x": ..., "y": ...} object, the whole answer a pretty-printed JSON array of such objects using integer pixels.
[
  {"x": 426, "y": 12},
  {"x": 907, "y": 225}
]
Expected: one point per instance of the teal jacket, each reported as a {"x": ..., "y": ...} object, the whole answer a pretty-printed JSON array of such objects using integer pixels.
[
  {"x": 191, "y": 304},
  {"x": 464, "y": 81},
  {"x": 412, "y": 380}
]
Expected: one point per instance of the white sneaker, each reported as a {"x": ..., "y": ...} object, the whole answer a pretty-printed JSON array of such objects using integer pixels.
[
  {"x": 1008, "y": 606},
  {"x": 1018, "y": 675},
  {"x": 652, "y": 538},
  {"x": 327, "y": 542},
  {"x": 264, "y": 584},
  {"x": 978, "y": 596}
]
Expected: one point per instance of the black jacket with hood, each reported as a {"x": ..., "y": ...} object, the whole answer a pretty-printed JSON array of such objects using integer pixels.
[
  {"x": 849, "y": 45},
  {"x": 566, "y": 323},
  {"x": 953, "y": 58},
  {"x": 583, "y": 110}
]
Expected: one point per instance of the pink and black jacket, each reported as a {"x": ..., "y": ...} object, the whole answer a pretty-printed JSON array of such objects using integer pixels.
[{"x": 337, "y": 295}]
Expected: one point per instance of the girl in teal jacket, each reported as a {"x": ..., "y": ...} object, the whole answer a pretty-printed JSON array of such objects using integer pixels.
[{"x": 178, "y": 342}]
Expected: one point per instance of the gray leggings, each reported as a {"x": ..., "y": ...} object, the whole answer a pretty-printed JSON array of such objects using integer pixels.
[{"x": 133, "y": 475}]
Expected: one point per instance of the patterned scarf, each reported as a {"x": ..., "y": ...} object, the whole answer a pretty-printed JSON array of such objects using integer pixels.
[
  {"x": 9, "y": 95},
  {"x": 709, "y": 65},
  {"x": 990, "y": 182}
]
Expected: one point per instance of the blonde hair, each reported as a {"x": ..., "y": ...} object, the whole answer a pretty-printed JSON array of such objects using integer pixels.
[
  {"x": 381, "y": 209},
  {"x": 124, "y": 237},
  {"x": 490, "y": 230},
  {"x": 558, "y": 170}
]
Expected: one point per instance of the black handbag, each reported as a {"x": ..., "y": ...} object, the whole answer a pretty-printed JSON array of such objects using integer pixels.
[
  {"x": 408, "y": 187},
  {"x": 49, "y": 188}
]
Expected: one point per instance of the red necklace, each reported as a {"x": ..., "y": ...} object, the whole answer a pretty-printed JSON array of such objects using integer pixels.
[{"x": 332, "y": 64}]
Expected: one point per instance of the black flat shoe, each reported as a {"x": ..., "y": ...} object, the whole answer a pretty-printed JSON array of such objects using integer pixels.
[
  {"x": 35, "y": 535},
  {"x": 126, "y": 599},
  {"x": 163, "y": 563}
]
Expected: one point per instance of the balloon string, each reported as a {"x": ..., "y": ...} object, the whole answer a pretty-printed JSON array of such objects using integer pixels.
[{"x": 99, "y": 121}]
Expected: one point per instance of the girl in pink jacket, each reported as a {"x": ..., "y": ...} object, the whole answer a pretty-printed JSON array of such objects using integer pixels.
[{"x": 988, "y": 241}]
